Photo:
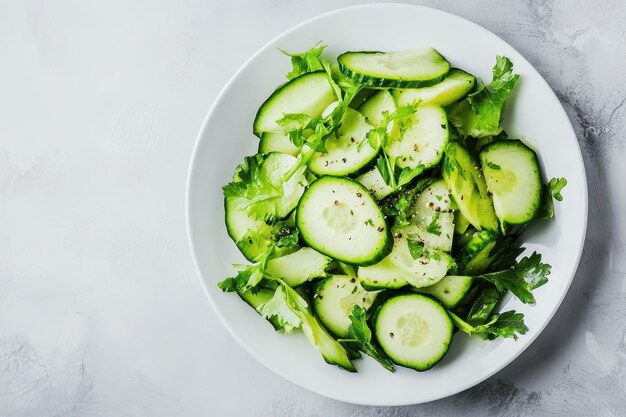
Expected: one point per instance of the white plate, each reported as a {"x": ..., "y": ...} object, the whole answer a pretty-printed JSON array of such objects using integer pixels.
[{"x": 534, "y": 114}]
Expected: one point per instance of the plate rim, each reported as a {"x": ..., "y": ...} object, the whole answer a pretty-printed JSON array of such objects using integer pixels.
[{"x": 220, "y": 97}]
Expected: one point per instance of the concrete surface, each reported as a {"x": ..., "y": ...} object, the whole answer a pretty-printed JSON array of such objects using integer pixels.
[{"x": 101, "y": 313}]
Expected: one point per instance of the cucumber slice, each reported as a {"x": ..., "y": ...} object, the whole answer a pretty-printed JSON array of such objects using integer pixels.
[
  {"x": 466, "y": 183},
  {"x": 335, "y": 298},
  {"x": 450, "y": 290},
  {"x": 298, "y": 267},
  {"x": 414, "y": 330},
  {"x": 425, "y": 135},
  {"x": 252, "y": 237},
  {"x": 453, "y": 88},
  {"x": 339, "y": 218},
  {"x": 474, "y": 258},
  {"x": 512, "y": 176},
  {"x": 374, "y": 182},
  {"x": 277, "y": 142},
  {"x": 331, "y": 350},
  {"x": 400, "y": 268},
  {"x": 460, "y": 222},
  {"x": 254, "y": 300},
  {"x": 308, "y": 94},
  {"x": 348, "y": 151},
  {"x": 433, "y": 213},
  {"x": 403, "y": 69},
  {"x": 373, "y": 108}
]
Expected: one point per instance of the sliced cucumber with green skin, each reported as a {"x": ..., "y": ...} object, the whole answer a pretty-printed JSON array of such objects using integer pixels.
[
  {"x": 400, "y": 268},
  {"x": 347, "y": 151},
  {"x": 277, "y": 142},
  {"x": 339, "y": 218},
  {"x": 252, "y": 237},
  {"x": 474, "y": 258},
  {"x": 453, "y": 88},
  {"x": 298, "y": 267},
  {"x": 331, "y": 350},
  {"x": 335, "y": 298},
  {"x": 432, "y": 212},
  {"x": 414, "y": 330},
  {"x": 512, "y": 176},
  {"x": 460, "y": 222},
  {"x": 307, "y": 94},
  {"x": 467, "y": 186},
  {"x": 450, "y": 290},
  {"x": 374, "y": 107},
  {"x": 403, "y": 69},
  {"x": 374, "y": 182},
  {"x": 254, "y": 300},
  {"x": 424, "y": 139}
]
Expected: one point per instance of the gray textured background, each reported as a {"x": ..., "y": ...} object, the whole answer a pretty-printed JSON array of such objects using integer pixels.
[{"x": 101, "y": 313}]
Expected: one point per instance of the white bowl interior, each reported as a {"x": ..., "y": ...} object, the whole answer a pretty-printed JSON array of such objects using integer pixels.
[{"x": 535, "y": 115}]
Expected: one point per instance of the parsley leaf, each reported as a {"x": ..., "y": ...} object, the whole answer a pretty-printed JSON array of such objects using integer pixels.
[
  {"x": 248, "y": 276},
  {"x": 360, "y": 334},
  {"x": 416, "y": 248},
  {"x": 286, "y": 306},
  {"x": 527, "y": 275},
  {"x": 287, "y": 237},
  {"x": 556, "y": 185},
  {"x": 493, "y": 166},
  {"x": 508, "y": 325},
  {"x": 481, "y": 113},
  {"x": 255, "y": 189},
  {"x": 307, "y": 61},
  {"x": 434, "y": 227}
]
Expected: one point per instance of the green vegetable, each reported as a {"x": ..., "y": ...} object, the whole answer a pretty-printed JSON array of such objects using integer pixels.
[
  {"x": 483, "y": 305},
  {"x": 248, "y": 277},
  {"x": 360, "y": 334},
  {"x": 529, "y": 273},
  {"x": 284, "y": 308},
  {"x": 307, "y": 61},
  {"x": 481, "y": 113},
  {"x": 508, "y": 325},
  {"x": 550, "y": 190}
]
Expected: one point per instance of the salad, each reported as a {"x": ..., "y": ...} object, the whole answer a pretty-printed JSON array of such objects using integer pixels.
[{"x": 386, "y": 206}]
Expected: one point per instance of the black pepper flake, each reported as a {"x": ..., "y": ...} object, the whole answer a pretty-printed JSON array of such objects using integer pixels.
[
  {"x": 431, "y": 204},
  {"x": 443, "y": 126},
  {"x": 391, "y": 334},
  {"x": 353, "y": 280},
  {"x": 343, "y": 160},
  {"x": 359, "y": 195},
  {"x": 446, "y": 291},
  {"x": 489, "y": 194},
  {"x": 380, "y": 228},
  {"x": 437, "y": 209},
  {"x": 336, "y": 202}
]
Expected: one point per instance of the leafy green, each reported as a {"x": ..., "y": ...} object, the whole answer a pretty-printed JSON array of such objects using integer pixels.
[
  {"x": 481, "y": 113},
  {"x": 504, "y": 254},
  {"x": 493, "y": 166},
  {"x": 287, "y": 237},
  {"x": 307, "y": 61},
  {"x": 556, "y": 185},
  {"x": 483, "y": 305},
  {"x": 248, "y": 276},
  {"x": 416, "y": 248},
  {"x": 434, "y": 227},
  {"x": 360, "y": 334},
  {"x": 255, "y": 190},
  {"x": 508, "y": 325},
  {"x": 529, "y": 273},
  {"x": 286, "y": 306}
]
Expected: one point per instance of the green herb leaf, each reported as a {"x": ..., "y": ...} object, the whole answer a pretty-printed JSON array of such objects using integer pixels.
[
  {"x": 481, "y": 113},
  {"x": 416, "y": 248},
  {"x": 307, "y": 61},
  {"x": 361, "y": 334},
  {"x": 434, "y": 226},
  {"x": 493, "y": 166},
  {"x": 556, "y": 185},
  {"x": 529, "y": 273},
  {"x": 483, "y": 305},
  {"x": 509, "y": 324},
  {"x": 287, "y": 237},
  {"x": 286, "y": 306}
]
